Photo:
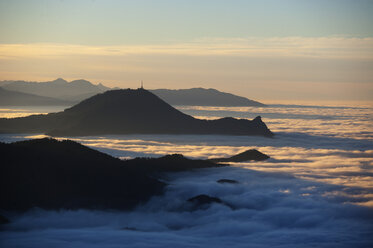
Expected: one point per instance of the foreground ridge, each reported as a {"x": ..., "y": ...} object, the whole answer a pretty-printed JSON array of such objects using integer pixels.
[{"x": 52, "y": 174}]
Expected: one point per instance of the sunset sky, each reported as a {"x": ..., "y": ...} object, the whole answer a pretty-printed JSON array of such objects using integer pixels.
[{"x": 265, "y": 50}]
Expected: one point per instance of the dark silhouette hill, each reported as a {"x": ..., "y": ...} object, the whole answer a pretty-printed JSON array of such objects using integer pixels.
[
  {"x": 203, "y": 97},
  {"x": 128, "y": 112},
  {"x": 74, "y": 91},
  {"x": 14, "y": 98},
  {"x": 53, "y": 174},
  {"x": 248, "y": 155}
]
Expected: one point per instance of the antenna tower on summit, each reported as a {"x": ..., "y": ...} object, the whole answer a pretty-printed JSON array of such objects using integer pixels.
[{"x": 142, "y": 85}]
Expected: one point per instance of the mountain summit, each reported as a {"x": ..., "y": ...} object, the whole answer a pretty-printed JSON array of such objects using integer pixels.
[{"x": 129, "y": 112}]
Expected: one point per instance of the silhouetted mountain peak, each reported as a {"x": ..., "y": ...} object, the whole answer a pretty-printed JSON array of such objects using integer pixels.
[
  {"x": 59, "y": 81},
  {"x": 120, "y": 99},
  {"x": 130, "y": 107}
]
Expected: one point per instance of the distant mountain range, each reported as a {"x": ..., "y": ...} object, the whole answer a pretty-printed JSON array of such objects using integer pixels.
[
  {"x": 74, "y": 91},
  {"x": 14, "y": 98},
  {"x": 203, "y": 97},
  {"x": 61, "y": 92},
  {"x": 128, "y": 112}
]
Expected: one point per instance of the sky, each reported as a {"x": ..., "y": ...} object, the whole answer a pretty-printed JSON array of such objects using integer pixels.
[{"x": 266, "y": 50}]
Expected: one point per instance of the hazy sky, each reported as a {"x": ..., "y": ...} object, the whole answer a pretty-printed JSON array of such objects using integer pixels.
[{"x": 265, "y": 50}]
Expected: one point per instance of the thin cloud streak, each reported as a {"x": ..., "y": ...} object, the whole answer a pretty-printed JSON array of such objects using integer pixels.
[{"x": 318, "y": 47}]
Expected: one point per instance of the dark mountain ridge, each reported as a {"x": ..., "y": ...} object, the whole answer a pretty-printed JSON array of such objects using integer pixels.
[
  {"x": 78, "y": 90},
  {"x": 204, "y": 97},
  {"x": 128, "y": 112}
]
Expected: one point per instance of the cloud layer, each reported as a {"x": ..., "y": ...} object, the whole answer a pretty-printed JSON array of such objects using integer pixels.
[
  {"x": 270, "y": 210},
  {"x": 316, "y": 190}
]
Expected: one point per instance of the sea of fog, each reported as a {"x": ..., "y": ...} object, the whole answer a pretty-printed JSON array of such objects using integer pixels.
[{"x": 316, "y": 190}]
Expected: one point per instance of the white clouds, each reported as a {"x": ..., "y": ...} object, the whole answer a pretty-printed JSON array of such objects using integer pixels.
[
  {"x": 270, "y": 210},
  {"x": 316, "y": 190},
  {"x": 325, "y": 144},
  {"x": 336, "y": 121}
]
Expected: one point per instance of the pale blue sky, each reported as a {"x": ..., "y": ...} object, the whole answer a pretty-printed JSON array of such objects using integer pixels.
[{"x": 110, "y": 22}]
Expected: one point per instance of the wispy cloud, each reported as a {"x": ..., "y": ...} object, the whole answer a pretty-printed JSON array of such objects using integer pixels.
[{"x": 318, "y": 47}]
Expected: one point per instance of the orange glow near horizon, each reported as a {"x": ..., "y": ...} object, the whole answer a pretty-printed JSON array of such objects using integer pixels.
[{"x": 274, "y": 69}]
